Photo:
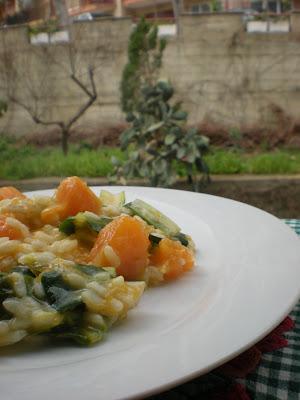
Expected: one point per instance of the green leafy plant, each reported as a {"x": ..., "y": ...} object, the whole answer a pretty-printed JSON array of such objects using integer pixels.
[
  {"x": 158, "y": 142},
  {"x": 145, "y": 51},
  {"x": 48, "y": 26},
  {"x": 236, "y": 137},
  {"x": 216, "y": 6}
]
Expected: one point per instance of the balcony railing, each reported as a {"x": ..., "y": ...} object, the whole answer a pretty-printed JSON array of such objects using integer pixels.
[{"x": 87, "y": 3}]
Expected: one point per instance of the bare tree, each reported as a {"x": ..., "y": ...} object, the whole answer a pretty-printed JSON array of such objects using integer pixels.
[
  {"x": 30, "y": 94},
  {"x": 177, "y": 6},
  {"x": 65, "y": 126}
]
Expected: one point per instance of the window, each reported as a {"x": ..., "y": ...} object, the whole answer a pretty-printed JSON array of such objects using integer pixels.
[
  {"x": 200, "y": 8},
  {"x": 272, "y": 6},
  {"x": 205, "y": 7},
  {"x": 195, "y": 8},
  {"x": 257, "y": 5}
]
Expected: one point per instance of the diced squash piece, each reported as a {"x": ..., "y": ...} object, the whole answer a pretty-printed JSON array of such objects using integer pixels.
[
  {"x": 172, "y": 258},
  {"x": 123, "y": 244},
  {"x": 9, "y": 231},
  {"x": 52, "y": 215},
  {"x": 76, "y": 196},
  {"x": 9, "y": 192},
  {"x": 72, "y": 196}
]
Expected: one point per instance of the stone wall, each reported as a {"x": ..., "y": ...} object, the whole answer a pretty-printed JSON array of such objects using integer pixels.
[
  {"x": 236, "y": 79},
  {"x": 39, "y": 75},
  {"x": 225, "y": 76}
]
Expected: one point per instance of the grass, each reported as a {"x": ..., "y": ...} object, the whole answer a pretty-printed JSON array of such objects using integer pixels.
[
  {"x": 22, "y": 162},
  {"x": 236, "y": 162},
  {"x": 29, "y": 162}
]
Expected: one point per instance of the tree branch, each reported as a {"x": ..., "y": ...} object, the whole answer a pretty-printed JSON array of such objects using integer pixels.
[
  {"x": 80, "y": 112},
  {"x": 92, "y": 97},
  {"x": 35, "y": 95},
  {"x": 81, "y": 85},
  {"x": 91, "y": 76},
  {"x": 34, "y": 116}
]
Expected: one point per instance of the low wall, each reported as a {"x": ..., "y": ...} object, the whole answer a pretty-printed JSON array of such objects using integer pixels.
[
  {"x": 232, "y": 78},
  {"x": 278, "y": 194},
  {"x": 225, "y": 76}
]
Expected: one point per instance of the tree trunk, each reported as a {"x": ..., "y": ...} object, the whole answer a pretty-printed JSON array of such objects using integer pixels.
[
  {"x": 177, "y": 10},
  {"x": 65, "y": 141},
  {"x": 62, "y": 13}
]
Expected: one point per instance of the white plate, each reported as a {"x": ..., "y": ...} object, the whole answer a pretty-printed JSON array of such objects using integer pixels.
[{"x": 246, "y": 281}]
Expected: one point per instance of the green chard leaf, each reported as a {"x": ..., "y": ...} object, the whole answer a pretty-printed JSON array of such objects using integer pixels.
[
  {"x": 84, "y": 220},
  {"x": 68, "y": 226},
  {"x": 182, "y": 238},
  {"x": 83, "y": 336},
  {"x": 58, "y": 293},
  {"x": 64, "y": 300},
  {"x": 93, "y": 270}
]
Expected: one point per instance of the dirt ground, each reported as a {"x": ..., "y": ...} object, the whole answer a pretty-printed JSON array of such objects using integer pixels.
[
  {"x": 278, "y": 195},
  {"x": 250, "y": 139}
]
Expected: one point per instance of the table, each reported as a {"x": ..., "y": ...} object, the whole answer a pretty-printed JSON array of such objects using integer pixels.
[{"x": 268, "y": 371}]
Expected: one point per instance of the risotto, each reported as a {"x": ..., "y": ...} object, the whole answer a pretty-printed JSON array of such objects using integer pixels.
[{"x": 73, "y": 264}]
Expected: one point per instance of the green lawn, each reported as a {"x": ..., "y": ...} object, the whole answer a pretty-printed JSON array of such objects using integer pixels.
[
  {"x": 22, "y": 162},
  {"x": 234, "y": 162},
  {"x": 28, "y": 162}
]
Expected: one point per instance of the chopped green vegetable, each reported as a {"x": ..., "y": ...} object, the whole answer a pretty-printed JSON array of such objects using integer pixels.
[
  {"x": 58, "y": 293},
  {"x": 6, "y": 289},
  {"x": 75, "y": 301},
  {"x": 23, "y": 270},
  {"x": 68, "y": 226},
  {"x": 155, "y": 238},
  {"x": 109, "y": 199},
  {"x": 84, "y": 220},
  {"x": 92, "y": 270},
  {"x": 182, "y": 238},
  {"x": 85, "y": 336},
  {"x": 52, "y": 278},
  {"x": 88, "y": 269},
  {"x": 96, "y": 224},
  {"x": 153, "y": 217},
  {"x": 5, "y": 292},
  {"x": 65, "y": 300}
]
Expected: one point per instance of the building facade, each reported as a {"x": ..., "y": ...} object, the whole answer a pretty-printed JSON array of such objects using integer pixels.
[{"x": 156, "y": 9}]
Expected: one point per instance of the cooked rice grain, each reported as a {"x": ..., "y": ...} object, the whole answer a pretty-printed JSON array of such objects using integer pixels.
[
  {"x": 111, "y": 256},
  {"x": 14, "y": 223},
  {"x": 9, "y": 247}
]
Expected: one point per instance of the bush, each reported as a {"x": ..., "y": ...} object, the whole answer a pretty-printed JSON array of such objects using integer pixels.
[
  {"x": 159, "y": 143},
  {"x": 145, "y": 51}
]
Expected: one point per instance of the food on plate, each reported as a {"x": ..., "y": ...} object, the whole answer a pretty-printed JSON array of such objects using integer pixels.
[
  {"x": 65, "y": 300},
  {"x": 9, "y": 192},
  {"x": 172, "y": 257},
  {"x": 75, "y": 263},
  {"x": 72, "y": 196},
  {"x": 124, "y": 244}
]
